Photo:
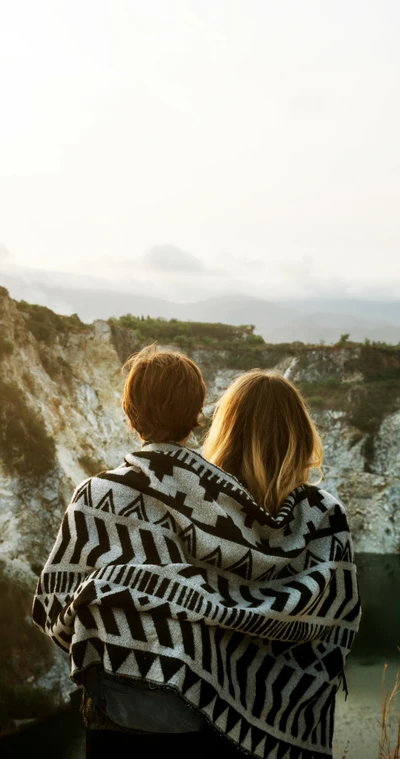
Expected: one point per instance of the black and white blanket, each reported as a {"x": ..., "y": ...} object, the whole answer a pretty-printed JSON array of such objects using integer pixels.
[{"x": 166, "y": 570}]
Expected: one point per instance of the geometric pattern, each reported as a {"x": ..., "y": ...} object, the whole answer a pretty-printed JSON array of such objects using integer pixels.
[{"x": 166, "y": 570}]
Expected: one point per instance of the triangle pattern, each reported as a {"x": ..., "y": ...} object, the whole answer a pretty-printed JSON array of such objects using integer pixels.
[
  {"x": 155, "y": 671},
  {"x": 107, "y": 503},
  {"x": 284, "y": 751},
  {"x": 311, "y": 560},
  {"x": 347, "y": 552},
  {"x": 257, "y": 736},
  {"x": 90, "y": 653},
  {"x": 144, "y": 660},
  {"x": 232, "y": 720},
  {"x": 85, "y": 492},
  {"x": 336, "y": 549},
  {"x": 266, "y": 575},
  {"x": 243, "y": 567},
  {"x": 117, "y": 655},
  {"x": 98, "y": 645},
  {"x": 78, "y": 653},
  {"x": 190, "y": 679},
  {"x": 269, "y": 746},
  {"x": 168, "y": 522},
  {"x": 188, "y": 535},
  {"x": 219, "y": 708},
  {"x": 286, "y": 571},
  {"x": 214, "y": 558},
  {"x": 244, "y": 729},
  {"x": 135, "y": 508},
  {"x": 295, "y": 752},
  {"x": 39, "y": 613},
  {"x": 55, "y": 609},
  {"x": 170, "y": 666},
  {"x": 207, "y": 694}
]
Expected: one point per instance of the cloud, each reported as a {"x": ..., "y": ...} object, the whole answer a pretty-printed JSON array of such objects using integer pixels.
[
  {"x": 252, "y": 263},
  {"x": 170, "y": 258},
  {"x": 4, "y": 252}
]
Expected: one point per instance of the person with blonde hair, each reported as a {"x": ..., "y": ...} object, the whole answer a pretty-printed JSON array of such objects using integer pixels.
[
  {"x": 263, "y": 434},
  {"x": 205, "y": 611}
]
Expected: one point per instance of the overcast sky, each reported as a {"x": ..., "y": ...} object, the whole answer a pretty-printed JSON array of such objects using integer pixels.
[{"x": 190, "y": 147}]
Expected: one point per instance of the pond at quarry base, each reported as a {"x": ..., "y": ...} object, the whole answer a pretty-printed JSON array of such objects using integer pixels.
[{"x": 357, "y": 718}]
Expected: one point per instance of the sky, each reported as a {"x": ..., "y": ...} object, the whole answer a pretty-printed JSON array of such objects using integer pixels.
[{"x": 193, "y": 147}]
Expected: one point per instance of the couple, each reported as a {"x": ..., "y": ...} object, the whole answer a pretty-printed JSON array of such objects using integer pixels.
[{"x": 208, "y": 602}]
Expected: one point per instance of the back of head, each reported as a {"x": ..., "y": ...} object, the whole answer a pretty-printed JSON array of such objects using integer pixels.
[
  {"x": 163, "y": 394},
  {"x": 262, "y": 433}
]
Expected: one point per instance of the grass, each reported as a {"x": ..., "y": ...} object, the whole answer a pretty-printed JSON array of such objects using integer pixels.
[{"x": 386, "y": 749}]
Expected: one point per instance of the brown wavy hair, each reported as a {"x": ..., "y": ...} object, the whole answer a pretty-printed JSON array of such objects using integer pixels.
[
  {"x": 163, "y": 394},
  {"x": 262, "y": 433}
]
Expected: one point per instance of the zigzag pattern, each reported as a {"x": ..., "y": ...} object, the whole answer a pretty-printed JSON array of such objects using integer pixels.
[{"x": 169, "y": 554}]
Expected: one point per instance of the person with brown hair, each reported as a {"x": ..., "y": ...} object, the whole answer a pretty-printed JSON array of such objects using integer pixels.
[
  {"x": 163, "y": 394},
  {"x": 205, "y": 610}
]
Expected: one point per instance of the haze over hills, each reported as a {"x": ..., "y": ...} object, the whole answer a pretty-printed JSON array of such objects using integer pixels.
[{"x": 310, "y": 320}]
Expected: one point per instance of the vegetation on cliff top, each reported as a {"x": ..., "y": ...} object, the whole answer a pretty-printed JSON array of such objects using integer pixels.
[
  {"x": 188, "y": 334},
  {"x": 45, "y": 324}
]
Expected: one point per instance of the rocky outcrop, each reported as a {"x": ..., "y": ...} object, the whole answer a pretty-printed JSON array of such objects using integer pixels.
[{"x": 62, "y": 386}]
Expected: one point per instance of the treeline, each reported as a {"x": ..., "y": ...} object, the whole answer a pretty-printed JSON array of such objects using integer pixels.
[{"x": 187, "y": 333}]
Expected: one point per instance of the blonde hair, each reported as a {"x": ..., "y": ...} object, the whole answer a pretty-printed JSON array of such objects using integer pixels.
[
  {"x": 163, "y": 394},
  {"x": 263, "y": 434}
]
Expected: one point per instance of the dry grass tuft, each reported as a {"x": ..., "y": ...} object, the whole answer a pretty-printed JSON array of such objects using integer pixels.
[{"x": 386, "y": 750}]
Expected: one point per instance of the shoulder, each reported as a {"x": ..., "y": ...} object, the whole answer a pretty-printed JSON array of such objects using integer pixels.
[
  {"x": 329, "y": 505},
  {"x": 96, "y": 485},
  {"x": 317, "y": 495}
]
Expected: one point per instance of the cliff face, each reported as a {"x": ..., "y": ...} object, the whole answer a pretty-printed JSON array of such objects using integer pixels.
[{"x": 61, "y": 420}]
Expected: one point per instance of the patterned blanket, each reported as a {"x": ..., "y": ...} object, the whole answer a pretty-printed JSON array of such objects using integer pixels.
[{"x": 165, "y": 570}]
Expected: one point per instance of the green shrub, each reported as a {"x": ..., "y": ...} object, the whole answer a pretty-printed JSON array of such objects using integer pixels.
[
  {"x": 376, "y": 362},
  {"x": 330, "y": 382},
  {"x": 372, "y": 402},
  {"x": 6, "y": 347},
  {"x": 255, "y": 340},
  {"x": 45, "y": 324},
  {"x": 316, "y": 400},
  {"x": 327, "y": 394},
  {"x": 58, "y": 369},
  {"x": 25, "y": 446},
  {"x": 181, "y": 339}
]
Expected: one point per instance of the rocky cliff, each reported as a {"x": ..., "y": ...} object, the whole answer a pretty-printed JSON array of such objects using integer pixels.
[{"x": 61, "y": 420}]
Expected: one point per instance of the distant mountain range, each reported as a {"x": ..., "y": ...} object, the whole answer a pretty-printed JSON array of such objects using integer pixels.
[{"x": 311, "y": 321}]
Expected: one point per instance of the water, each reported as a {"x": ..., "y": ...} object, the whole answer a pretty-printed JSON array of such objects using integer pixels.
[{"x": 358, "y": 718}]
